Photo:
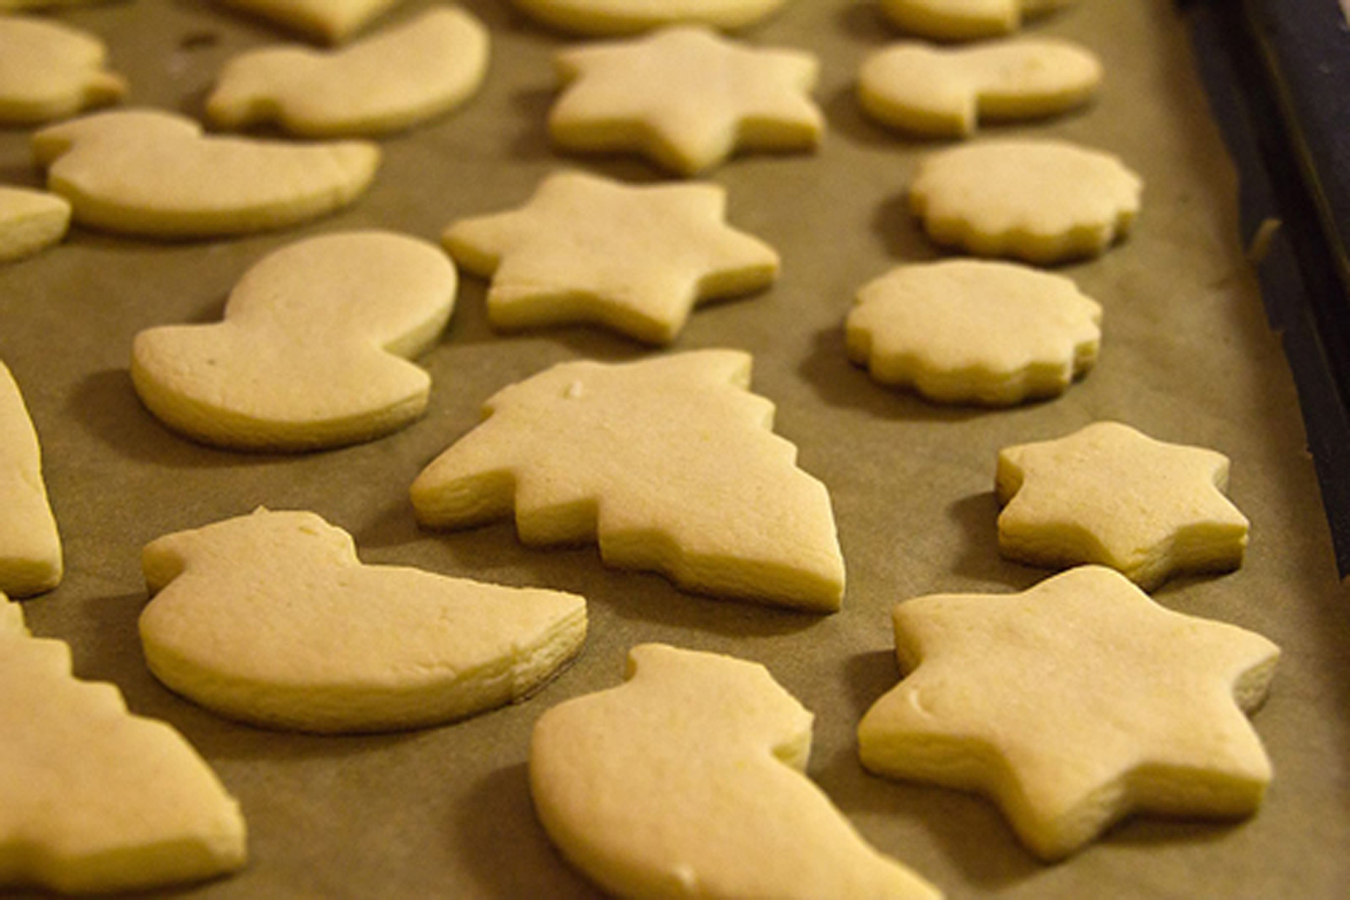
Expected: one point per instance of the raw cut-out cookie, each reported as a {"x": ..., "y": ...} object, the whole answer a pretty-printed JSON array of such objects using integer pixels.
[
  {"x": 1074, "y": 704},
  {"x": 689, "y": 780},
  {"x": 313, "y": 351},
  {"x": 30, "y": 221},
  {"x": 960, "y": 20},
  {"x": 50, "y": 71},
  {"x": 942, "y": 92},
  {"x": 93, "y": 798},
  {"x": 330, "y": 21},
  {"x": 685, "y": 97},
  {"x": 1108, "y": 494},
  {"x": 636, "y": 259},
  {"x": 1040, "y": 201},
  {"x": 669, "y": 462},
  {"x": 30, "y": 546},
  {"x": 271, "y": 619},
  {"x": 153, "y": 173},
  {"x": 607, "y": 17},
  {"x": 969, "y": 331},
  {"x": 387, "y": 82}
]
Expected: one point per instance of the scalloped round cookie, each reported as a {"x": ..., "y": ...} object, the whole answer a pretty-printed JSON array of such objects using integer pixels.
[
  {"x": 608, "y": 17},
  {"x": 49, "y": 71},
  {"x": 943, "y": 92},
  {"x": 1042, "y": 201},
  {"x": 963, "y": 20},
  {"x": 970, "y": 331}
]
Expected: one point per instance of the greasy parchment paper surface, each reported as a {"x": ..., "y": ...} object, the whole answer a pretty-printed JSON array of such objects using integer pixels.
[{"x": 1187, "y": 356}]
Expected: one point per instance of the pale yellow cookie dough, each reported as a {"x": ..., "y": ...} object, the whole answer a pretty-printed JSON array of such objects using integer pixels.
[
  {"x": 271, "y": 619},
  {"x": 390, "y": 81},
  {"x": 609, "y": 17},
  {"x": 49, "y": 71},
  {"x": 940, "y": 92},
  {"x": 314, "y": 348},
  {"x": 636, "y": 259},
  {"x": 329, "y": 21},
  {"x": 1042, "y": 201},
  {"x": 1073, "y": 705},
  {"x": 1108, "y": 494},
  {"x": 688, "y": 780},
  {"x": 155, "y": 174},
  {"x": 963, "y": 20},
  {"x": 669, "y": 462},
  {"x": 30, "y": 221},
  {"x": 30, "y": 545},
  {"x": 94, "y": 799},
  {"x": 970, "y": 331},
  {"x": 686, "y": 98}
]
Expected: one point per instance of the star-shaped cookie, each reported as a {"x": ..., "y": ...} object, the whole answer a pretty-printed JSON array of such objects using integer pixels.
[
  {"x": 686, "y": 97},
  {"x": 587, "y": 249},
  {"x": 1108, "y": 494},
  {"x": 1074, "y": 704}
]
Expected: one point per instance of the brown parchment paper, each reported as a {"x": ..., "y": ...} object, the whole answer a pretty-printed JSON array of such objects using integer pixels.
[{"x": 1187, "y": 356}]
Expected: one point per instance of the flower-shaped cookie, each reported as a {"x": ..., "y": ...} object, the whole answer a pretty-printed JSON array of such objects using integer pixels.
[
  {"x": 943, "y": 92},
  {"x": 1108, "y": 494},
  {"x": 1074, "y": 704},
  {"x": 960, "y": 20},
  {"x": 313, "y": 351},
  {"x": 969, "y": 331},
  {"x": 688, "y": 780},
  {"x": 50, "y": 71},
  {"x": 153, "y": 173},
  {"x": 685, "y": 97},
  {"x": 93, "y": 798},
  {"x": 30, "y": 545},
  {"x": 30, "y": 221},
  {"x": 387, "y": 82},
  {"x": 270, "y": 618},
  {"x": 1041, "y": 201},
  {"x": 602, "y": 17},
  {"x": 586, "y": 249},
  {"x": 669, "y": 462}
]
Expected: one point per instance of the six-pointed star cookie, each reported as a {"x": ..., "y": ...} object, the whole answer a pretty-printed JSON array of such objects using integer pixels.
[
  {"x": 1111, "y": 495},
  {"x": 586, "y": 249},
  {"x": 1074, "y": 704},
  {"x": 685, "y": 97}
]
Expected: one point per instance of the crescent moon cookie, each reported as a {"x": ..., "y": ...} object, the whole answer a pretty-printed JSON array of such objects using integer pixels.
[
  {"x": 1039, "y": 201},
  {"x": 637, "y": 259},
  {"x": 30, "y": 545},
  {"x": 610, "y": 17},
  {"x": 271, "y": 619},
  {"x": 963, "y": 20},
  {"x": 689, "y": 780},
  {"x": 1073, "y": 705},
  {"x": 686, "y": 98},
  {"x": 668, "y": 462},
  {"x": 1111, "y": 495},
  {"x": 940, "y": 92},
  {"x": 155, "y": 174},
  {"x": 390, "y": 81},
  {"x": 30, "y": 221},
  {"x": 329, "y": 21},
  {"x": 50, "y": 71},
  {"x": 95, "y": 799},
  {"x": 969, "y": 331},
  {"x": 313, "y": 350}
]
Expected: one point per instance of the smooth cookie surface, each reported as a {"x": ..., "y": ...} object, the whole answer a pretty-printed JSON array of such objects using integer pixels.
[
  {"x": 961, "y": 20},
  {"x": 50, "y": 71},
  {"x": 31, "y": 559},
  {"x": 30, "y": 221},
  {"x": 607, "y": 17}
]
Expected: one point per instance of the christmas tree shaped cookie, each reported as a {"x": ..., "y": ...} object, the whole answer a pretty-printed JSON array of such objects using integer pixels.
[
  {"x": 30, "y": 545},
  {"x": 271, "y": 619},
  {"x": 669, "y": 463},
  {"x": 688, "y": 780},
  {"x": 94, "y": 799},
  {"x": 1074, "y": 704}
]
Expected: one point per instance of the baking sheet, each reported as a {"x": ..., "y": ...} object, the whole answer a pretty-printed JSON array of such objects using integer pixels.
[{"x": 1187, "y": 356}]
